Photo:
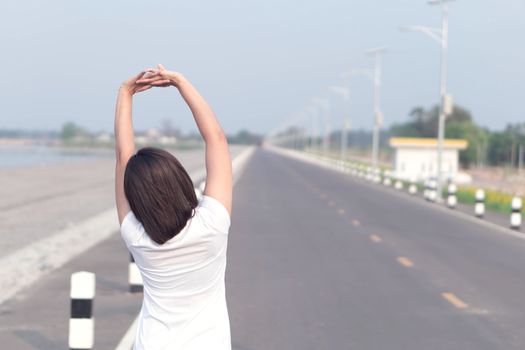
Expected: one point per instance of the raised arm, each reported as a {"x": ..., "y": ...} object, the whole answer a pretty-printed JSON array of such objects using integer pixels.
[
  {"x": 218, "y": 163},
  {"x": 124, "y": 138}
]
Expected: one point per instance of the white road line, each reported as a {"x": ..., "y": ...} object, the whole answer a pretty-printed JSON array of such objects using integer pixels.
[
  {"x": 238, "y": 167},
  {"x": 126, "y": 343}
]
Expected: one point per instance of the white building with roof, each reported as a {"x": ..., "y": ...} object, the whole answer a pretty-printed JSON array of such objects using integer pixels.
[{"x": 415, "y": 159}]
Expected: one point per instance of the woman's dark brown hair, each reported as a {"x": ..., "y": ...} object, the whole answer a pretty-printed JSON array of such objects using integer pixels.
[{"x": 160, "y": 193}]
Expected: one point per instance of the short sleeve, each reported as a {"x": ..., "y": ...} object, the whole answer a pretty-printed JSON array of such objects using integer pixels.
[
  {"x": 214, "y": 213},
  {"x": 130, "y": 229}
]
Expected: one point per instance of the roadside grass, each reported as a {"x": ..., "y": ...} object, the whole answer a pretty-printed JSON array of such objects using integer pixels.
[{"x": 494, "y": 200}]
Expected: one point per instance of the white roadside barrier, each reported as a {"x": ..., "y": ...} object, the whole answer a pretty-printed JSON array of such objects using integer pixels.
[
  {"x": 360, "y": 171},
  {"x": 412, "y": 188},
  {"x": 368, "y": 173},
  {"x": 341, "y": 165},
  {"x": 353, "y": 169},
  {"x": 432, "y": 190},
  {"x": 398, "y": 185},
  {"x": 134, "y": 277},
  {"x": 515, "y": 216},
  {"x": 377, "y": 176},
  {"x": 452, "y": 199},
  {"x": 82, "y": 323},
  {"x": 387, "y": 181},
  {"x": 479, "y": 207}
]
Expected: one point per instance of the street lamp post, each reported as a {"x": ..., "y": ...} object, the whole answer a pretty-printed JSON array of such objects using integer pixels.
[
  {"x": 441, "y": 36},
  {"x": 311, "y": 112},
  {"x": 378, "y": 117},
  {"x": 324, "y": 105},
  {"x": 345, "y": 94}
]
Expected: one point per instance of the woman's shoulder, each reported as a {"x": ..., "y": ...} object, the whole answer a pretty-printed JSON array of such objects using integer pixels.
[
  {"x": 214, "y": 213},
  {"x": 131, "y": 229}
]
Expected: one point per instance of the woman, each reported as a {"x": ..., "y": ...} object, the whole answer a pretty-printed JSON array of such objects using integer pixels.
[{"x": 178, "y": 243}]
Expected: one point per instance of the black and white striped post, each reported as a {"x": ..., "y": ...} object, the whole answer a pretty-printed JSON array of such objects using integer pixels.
[
  {"x": 398, "y": 185},
  {"x": 377, "y": 175},
  {"x": 452, "y": 199},
  {"x": 341, "y": 165},
  {"x": 412, "y": 188},
  {"x": 134, "y": 277},
  {"x": 386, "y": 180},
  {"x": 432, "y": 190},
  {"x": 368, "y": 175},
  {"x": 82, "y": 323},
  {"x": 346, "y": 167},
  {"x": 479, "y": 207},
  {"x": 515, "y": 216},
  {"x": 363, "y": 171}
]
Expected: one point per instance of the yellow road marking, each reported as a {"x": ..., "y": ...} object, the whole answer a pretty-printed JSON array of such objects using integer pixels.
[
  {"x": 341, "y": 211},
  {"x": 405, "y": 261},
  {"x": 375, "y": 238},
  {"x": 356, "y": 222},
  {"x": 454, "y": 300}
]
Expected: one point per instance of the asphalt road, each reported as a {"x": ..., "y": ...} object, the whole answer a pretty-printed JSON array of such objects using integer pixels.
[{"x": 319, "y": 260}]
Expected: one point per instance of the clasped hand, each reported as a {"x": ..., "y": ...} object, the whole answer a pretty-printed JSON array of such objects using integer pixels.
[{"x": 148, "y": 78}]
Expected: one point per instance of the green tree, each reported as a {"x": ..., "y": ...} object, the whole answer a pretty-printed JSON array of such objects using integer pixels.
[
  {"x": 70, "y": 130},
  {"x": 503, "y": 145},
  {"x": 424, "y": 123}
]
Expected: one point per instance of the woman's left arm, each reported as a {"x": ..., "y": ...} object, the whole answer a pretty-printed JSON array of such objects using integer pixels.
[{"x": 124, "y": 138}]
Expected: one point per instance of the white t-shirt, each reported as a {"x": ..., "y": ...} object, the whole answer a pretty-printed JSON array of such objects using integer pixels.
[{"x": 184, "y": 305}]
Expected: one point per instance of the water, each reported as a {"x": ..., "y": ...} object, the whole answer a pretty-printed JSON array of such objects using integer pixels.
[{"x": 21, "y": 155}]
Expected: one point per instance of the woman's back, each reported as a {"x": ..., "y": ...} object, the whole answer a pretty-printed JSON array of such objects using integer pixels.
[
  {"x": 184, "y": 295},
  {"x": 184, "y": 304}
]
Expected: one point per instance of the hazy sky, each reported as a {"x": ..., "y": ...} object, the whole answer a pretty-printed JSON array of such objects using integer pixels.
[{"x": 257, "y": 62}]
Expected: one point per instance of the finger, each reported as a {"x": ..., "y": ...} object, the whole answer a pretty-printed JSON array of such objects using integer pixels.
[
  {"x": 143, "y": 88},
  {"x": 164, "y": 82},
  {"x": 160, "y": 67},
  {"x": 149, "y": 75},
  {"x": 140, "y": 75},
  {"x": 149, "y": 80}
]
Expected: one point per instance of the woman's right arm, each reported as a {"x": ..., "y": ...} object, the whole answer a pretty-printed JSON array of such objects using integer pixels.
[{"x": 219, "y": 180}]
